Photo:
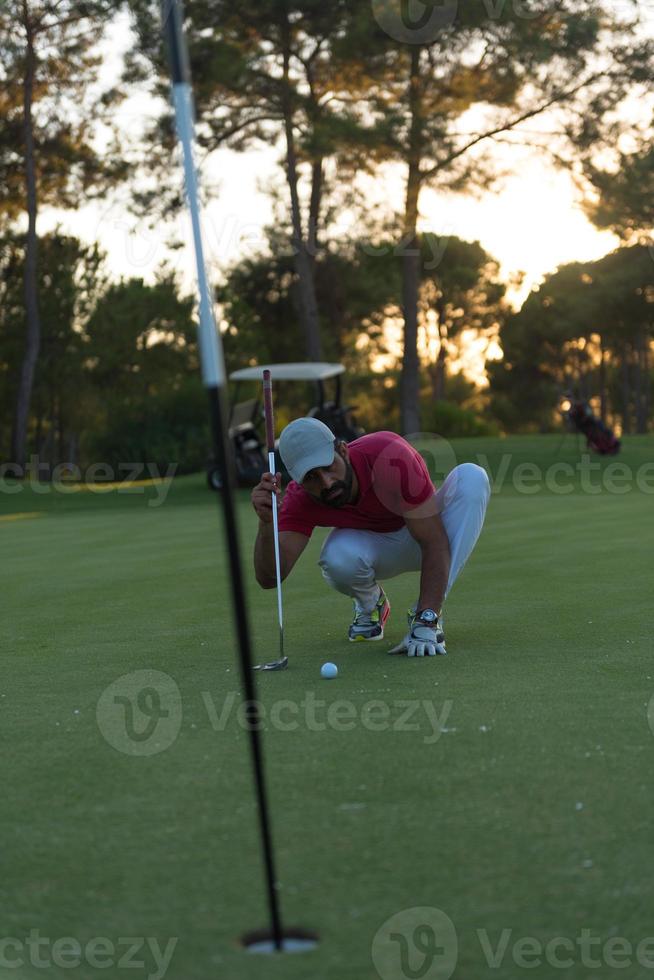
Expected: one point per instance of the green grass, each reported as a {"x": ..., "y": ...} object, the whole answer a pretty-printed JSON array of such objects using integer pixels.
[{"x": 547, "y": 685}]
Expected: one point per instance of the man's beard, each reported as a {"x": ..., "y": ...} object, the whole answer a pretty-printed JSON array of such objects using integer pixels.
[{"x": 340, "y": 492}]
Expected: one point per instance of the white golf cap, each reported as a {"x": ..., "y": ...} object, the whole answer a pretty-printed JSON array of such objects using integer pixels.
[{"x": 305, "y": 444}]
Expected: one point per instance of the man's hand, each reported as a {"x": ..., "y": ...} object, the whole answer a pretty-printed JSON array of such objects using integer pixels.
[
  {"x": 422, "y": 641},
  {"x": 262, "y": 496}
]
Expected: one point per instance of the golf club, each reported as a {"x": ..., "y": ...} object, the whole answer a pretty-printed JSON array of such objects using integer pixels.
[{"x": 282, "y": 663}]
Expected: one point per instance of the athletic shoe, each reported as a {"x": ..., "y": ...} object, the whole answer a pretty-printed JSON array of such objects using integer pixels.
[{"x": 370, "y": 625}]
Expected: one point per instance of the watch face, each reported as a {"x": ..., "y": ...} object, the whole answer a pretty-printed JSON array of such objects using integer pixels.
[{"x": 428, "y": 616}]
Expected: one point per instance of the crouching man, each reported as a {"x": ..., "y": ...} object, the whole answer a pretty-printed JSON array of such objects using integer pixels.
[{"x": 387, "y": 519}]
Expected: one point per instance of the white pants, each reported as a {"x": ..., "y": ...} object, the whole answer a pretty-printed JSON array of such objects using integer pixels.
[{"x": 352, "y": 560}]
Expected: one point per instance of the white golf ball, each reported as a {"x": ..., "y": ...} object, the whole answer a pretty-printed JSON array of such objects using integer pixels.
[{"x": 328, "y": 671}]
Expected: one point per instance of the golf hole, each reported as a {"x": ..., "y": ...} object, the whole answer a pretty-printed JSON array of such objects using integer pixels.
[{"x": 293, "y": 941}]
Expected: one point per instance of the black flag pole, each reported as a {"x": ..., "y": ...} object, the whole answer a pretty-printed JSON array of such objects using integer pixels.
[{"x": 213, "y": 374}]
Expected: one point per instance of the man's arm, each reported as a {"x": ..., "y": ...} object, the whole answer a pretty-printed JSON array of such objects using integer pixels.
[
  {"x": 291, "y": 546},
  {"x": 291, "y": 543},
  {"x": 428, "y": 530}
]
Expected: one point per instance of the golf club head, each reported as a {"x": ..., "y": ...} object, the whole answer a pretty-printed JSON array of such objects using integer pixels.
[{"x": 281, "y": 664}]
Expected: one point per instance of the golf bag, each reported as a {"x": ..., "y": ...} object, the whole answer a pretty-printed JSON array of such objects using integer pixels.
[{"x": 599, "y": 437}]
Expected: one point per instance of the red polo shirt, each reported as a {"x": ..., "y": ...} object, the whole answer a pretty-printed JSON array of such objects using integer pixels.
[{"x": 393, "y": 480}]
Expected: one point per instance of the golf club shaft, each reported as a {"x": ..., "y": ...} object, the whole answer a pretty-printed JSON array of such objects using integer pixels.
[
  {"x": 272, "y": 466},
  {"x": 278, "y": 570},
  {"x": 213, "y": 372}
]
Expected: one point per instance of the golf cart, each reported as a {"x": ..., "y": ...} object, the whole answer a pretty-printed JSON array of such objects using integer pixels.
[{"x": 245, "y": 418}]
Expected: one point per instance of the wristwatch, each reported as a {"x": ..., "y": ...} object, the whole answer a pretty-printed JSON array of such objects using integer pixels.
[{"x": 426, "y": 616}]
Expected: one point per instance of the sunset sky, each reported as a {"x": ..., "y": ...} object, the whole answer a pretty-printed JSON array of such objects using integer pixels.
[{"x": 532, "y": 222}]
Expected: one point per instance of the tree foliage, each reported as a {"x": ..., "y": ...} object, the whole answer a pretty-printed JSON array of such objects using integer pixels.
[
  {"x": 118, "y": 376},
  {"x": 48, "y": 112},
  {"x": 460, "y": 290},
  {"x": 360, "y": 291},
  {"x": 70, "y": 279},
  {"x": 67, "y": 104},
  {"x": 356, "y": 85},
  {"x": 467, "y": 75},
  {"x": 336, "y": 90},
  {"x": 141, "y": 346},
  {"x": 624, "y": 199},
  {"x": 357, "y": 287},
  {"x": 273, "y": 74},
  {"x": 586, "y": 332}
]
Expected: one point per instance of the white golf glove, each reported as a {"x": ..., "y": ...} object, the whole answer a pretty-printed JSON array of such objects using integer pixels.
[{"x": 424, "y": 639}]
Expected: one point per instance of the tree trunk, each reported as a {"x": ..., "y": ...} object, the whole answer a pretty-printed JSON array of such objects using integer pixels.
[
  {"x": 61, "y": 434},
  {"x": 638, "y": 384},
  {"x": 602, "y": 381},
  {"x": 71, "y": 452},
  {"x": 314, "y": 208},
  {"x": 32, "y": 319},
  {"x": 647, "y": 408},
  {"x": 39, "y": 432},
  {"x": 626, "y": 392},
  {"x": 437, "y": 373},
  {"x": 642, "y": 385},
  {"x": 410, "y": 378},
  {"x": 441, "y": 361},
  {"x": 439, "y": 379},
  {"x": 301, "y": 257}
]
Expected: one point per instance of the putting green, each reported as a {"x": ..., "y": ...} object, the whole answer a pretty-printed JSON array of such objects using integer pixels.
[
  {"x": 5, "y": 518},
  {"x": 507, "y": 785}
]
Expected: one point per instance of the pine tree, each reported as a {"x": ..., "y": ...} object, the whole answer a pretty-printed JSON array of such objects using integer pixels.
[
  {"x": 48, "y": 61},
  {"x": 466, "y": 75}
]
